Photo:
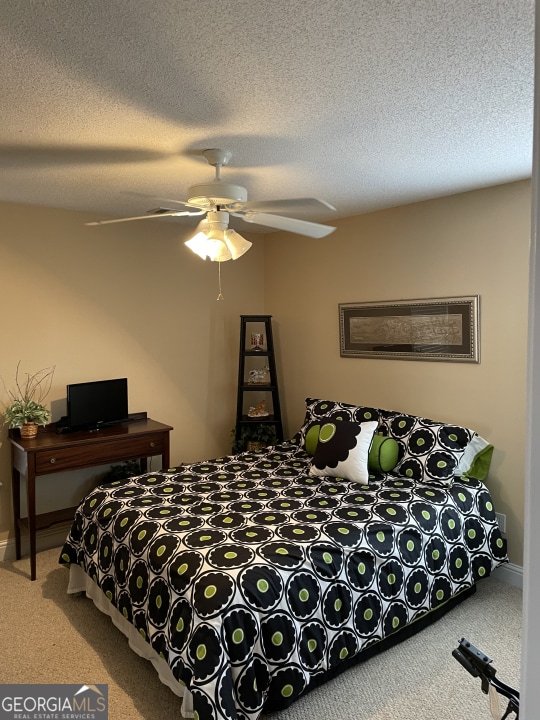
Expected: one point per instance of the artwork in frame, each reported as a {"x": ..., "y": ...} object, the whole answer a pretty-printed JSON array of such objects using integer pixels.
[{"x": 425, "y": 329}]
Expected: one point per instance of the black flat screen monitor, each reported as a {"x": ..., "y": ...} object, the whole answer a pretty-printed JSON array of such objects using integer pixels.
[{"x": 92, "y": 405}]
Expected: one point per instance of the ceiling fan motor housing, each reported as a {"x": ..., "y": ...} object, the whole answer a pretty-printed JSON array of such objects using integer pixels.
[{"x": 215, "y": 193}]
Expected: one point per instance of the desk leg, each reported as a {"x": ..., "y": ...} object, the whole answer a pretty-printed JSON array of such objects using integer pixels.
[
  {"x": 31, "y": 490},
  {"x": 165, "y": 459},
  {"x": 16, "y": 492},
  {"x": 165, "y": 456}
]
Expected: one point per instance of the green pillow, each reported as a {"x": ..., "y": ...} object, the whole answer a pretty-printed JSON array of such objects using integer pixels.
[
  {"x": 383, "y": 452},
  {"x": 476, "y": 459},
  {"x": 312, "y": 438}
]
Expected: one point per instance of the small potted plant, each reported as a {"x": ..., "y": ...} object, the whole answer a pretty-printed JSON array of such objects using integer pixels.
[
  {"x": 253, "y": 437},
  {"x": 25, "y": 409}
]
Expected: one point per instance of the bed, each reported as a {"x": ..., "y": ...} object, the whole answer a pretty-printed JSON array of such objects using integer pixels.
[{"x": 249, "y": 579}]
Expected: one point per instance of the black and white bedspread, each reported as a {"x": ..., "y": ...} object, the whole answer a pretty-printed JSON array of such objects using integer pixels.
[{"x": 252, "y": 578}]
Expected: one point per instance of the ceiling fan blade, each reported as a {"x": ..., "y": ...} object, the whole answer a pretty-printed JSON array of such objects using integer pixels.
[
  {"x": 288, "y": 205},
  {"x": 172, "y": 213},
  {"x": 301, "y": 227}
]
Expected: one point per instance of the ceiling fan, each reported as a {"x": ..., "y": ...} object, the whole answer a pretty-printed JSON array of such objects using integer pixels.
[{"x": 217, "y": 200}]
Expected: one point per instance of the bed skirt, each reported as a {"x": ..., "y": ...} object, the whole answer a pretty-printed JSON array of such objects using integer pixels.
[{"x": 79, "y": 582}]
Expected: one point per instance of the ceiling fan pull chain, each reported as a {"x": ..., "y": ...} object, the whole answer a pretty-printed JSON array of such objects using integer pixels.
[{"x": 220, "y": 296}]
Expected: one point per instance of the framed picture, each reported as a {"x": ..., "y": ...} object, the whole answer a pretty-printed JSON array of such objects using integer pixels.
[{"x": 429, "y": 329}]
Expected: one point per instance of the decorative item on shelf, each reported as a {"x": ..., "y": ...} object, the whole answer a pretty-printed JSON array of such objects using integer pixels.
[
  {"x": 257, "y": 341},
  {"x": 25, "y": 409},
  {"x": 259, "y": 410},
  {"x": 253, "y": 437},
  {"x": 259, "y": 377}
]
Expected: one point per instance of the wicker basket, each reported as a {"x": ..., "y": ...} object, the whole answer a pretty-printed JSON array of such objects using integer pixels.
[
  {"x": 29, "y": 430},
  {"x": 254, "y": 445}
]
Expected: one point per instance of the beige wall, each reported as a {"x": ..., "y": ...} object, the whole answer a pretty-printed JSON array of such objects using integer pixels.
[
  {"x": 475, "y": 243},
  {"x": 122, "y": 300},
  {"x": 131, "y": 300}
]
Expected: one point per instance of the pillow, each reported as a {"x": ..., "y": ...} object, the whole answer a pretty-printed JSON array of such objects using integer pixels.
[
  {"x": 383, "y": 454},
  {"x": 476, "y": 459},
  {"x": 312, "y": 438},
  {"x": 429, "y": 451},
  {"x": 317, "y": 409},
  {"x": 343, "y": 449}
]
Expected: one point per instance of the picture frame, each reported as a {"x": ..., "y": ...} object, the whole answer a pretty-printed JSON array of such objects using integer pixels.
[{"x": 443, "y": 329}]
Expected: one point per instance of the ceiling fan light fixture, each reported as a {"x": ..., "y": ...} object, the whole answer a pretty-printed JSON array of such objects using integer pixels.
[
  {"x": 218, "y": 251},
  {"x": 215, "y": 241},
  {"x": 209, "y": 247},
  {"x": 237, "y": 244},
  {"x": 198, "y": 245}
]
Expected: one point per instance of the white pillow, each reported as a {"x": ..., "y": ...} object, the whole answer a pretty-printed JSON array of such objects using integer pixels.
[{"x": 343, "y": 450}]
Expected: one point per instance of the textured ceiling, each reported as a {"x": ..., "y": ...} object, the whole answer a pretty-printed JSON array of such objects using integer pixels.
[{"x": 106, "y": 105}]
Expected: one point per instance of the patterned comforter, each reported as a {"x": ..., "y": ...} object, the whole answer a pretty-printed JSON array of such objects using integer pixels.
[{"x": 252, "y": 579}]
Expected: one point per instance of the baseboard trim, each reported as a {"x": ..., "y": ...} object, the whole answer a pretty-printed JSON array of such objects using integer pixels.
[
  {"x": 45, "y": 540},
  {"x": 510, "y": 574}
]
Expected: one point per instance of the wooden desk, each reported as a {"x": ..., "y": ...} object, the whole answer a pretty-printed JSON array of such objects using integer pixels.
[{"x": 50, "y": 452}]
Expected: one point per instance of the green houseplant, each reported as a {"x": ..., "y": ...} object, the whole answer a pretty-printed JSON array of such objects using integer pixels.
[
  {"x": 253, "y": 436},
  {"x": 25, "y": 408}
]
